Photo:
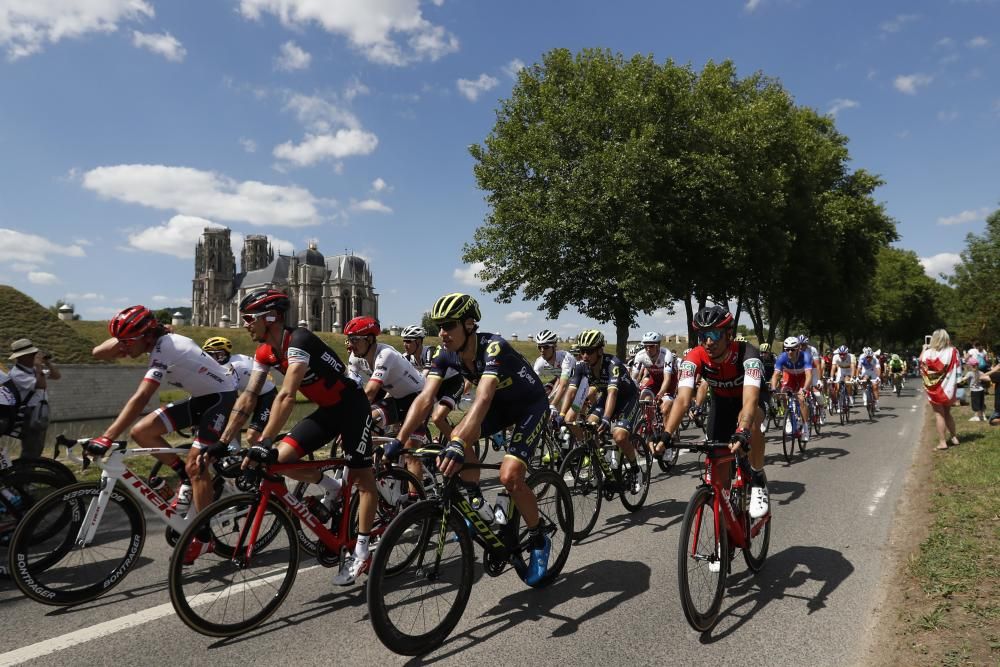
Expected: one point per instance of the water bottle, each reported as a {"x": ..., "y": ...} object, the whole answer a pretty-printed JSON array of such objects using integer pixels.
[
  {"x": 183, "y": 502},
  {"x": 612, "y": 456},
  {"x": 158, "y": 484},
  {"x": 500, "y": 509},
  {"x": 480, "y": 505}
]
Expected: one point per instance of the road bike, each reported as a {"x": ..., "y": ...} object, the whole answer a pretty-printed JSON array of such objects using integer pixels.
[
  {"x": 257, "y": 540},
  {"x": 815, "y": 412},
  {"x": 868, "y": 396},
  {"x": 83, "y": 540},
  {"x": 778, "y": 410},
  {"x": 844, "y": 401},
  {"x": 422, "y": 572},
  {"x": 595, "y": 471},
  {"x": 716, "y": 523},
  {"x": 897, "y": 382},
  {"x": 650, "y": 426},
  {"x": 791, "y": 428}
]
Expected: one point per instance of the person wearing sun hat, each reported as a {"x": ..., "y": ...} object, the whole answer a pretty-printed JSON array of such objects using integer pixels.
[{"x": 31, "y": 372}]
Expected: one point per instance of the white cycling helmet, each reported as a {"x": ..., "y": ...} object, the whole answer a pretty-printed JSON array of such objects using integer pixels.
[
  {"x": 843, "y": 350},
  {"x": 633, "y": 349},
  {"x": 413, "y": 332},
  {"x": 791, "y": 343},
  {"x": 803, "y": 339},
  {"x": 651, "y": 337},
  {"x": 546, "y": 337},
  {"x": 867, "y": 351}
]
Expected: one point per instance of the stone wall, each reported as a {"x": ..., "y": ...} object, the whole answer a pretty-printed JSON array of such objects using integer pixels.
[{"x": 95, "y": 391}]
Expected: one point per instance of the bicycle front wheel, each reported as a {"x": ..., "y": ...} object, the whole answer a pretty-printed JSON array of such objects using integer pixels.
[
  {"x": 48, "y": 562},
  {"x": 555, "y": 511},
  {"x": 634, "y": 495},
  {"x": 585, "y": 481},
  {"x": 788, "y": 438},
  {"x": 223, "y": 596},
  {"x": 420, "y": 579},
  {"x": 759, "y": 531},
  {"x": 702, "y": 560}
]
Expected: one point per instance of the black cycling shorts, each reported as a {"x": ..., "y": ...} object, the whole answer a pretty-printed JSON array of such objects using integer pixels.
[
  {"x": 723, "y": 415},
  {"x": 209, "y": 413},
  {"x": 394, "y": 410},
  {"x": 450, "y": 391},
  {"x": 351, "y": 419},
  {"x": 528, "y": 422},
  {"x": 626, "y": 412},
  {"x": 262, "y": 411}
]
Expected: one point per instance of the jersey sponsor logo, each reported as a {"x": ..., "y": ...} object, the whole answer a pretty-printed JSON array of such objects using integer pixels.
[
  {"x": 157, "y": 374},
  {"x": 158, "y": 364},
  {"x": 526, "y": 375},
  {"x": 330, "y": 361},
  {"x": 297, "y": 355},
  {"x": 688, "y": 369}
]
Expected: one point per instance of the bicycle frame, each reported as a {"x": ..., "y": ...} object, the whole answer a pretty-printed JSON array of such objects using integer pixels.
[
  {"x": 717, "y": 465},
  {"x": 651, "y": 416}
]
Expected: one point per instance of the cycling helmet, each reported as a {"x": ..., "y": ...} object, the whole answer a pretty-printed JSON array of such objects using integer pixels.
[
  {"x": 414, "y": 332},
  {"x": 455, "y": 307},
  {"x": 895, "y": 357},
  {"x": 591, "y": 338},
  {"x": 218, "y": 344},
  {"x": 363, "y": 326},
  {"x": 803, "y": 339},
  {"x": 791, "y": 343},
  {"x": 546, "y": 337},
  {"x": 765, "y": 347},
  {"x": 685, "y": 352},
  {"x": 132, "y": 322},
  {"x": 712, "y": 317},
  {"x": 633, "y": 349},
  {"x": 651, "y": 337},
  {"x": 740, "y": 338},
  {"x": 867, "y": 351},
  {"x": 843, "y": 350},
  {"x": 263, "y": 300}
]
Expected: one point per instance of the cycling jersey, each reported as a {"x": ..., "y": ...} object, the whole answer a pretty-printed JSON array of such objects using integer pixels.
[
  {"x": 241, "y": 366},
  {"x": 325, "y": 382},
  {"x": 896, "y": 365},
  {"x": 517, "y": 382},
  {"x": 739, "y": 367},
  {"x": 391, "y": 370},
  {"x": 612, "y": 374},
  {"x": 868, "y": 366},
  {"x": 427, "y": 358},
  {"x": 665, "y": 362},
  {"x": 816, "y": 377},
  {"x": 549, "y": 372},
  {"x": 793, "y": 372},
  {"x": 179, "y": 361}
]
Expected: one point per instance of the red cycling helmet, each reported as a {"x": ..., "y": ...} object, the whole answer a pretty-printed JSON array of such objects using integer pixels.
[
  {"x": 132, "y": 322},
  {"x": 363, "y": 326},
  {"x": 263, "y": 300}
]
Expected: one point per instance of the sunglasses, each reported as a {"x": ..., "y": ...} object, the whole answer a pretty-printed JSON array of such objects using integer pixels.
[
  {"x": 354, "y": 340},
  {"x": 588, "y": 350},
  {"x": 714, "y": 335},
  {"x": 250, "y": 319},
  {"x": 545, "y": 347},
  {"x": 447, "y": 325}
]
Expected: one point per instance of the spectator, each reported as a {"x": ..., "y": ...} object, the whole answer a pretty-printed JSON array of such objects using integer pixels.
[
  {"x": 973, "y": 379},
  {"x": 939, "y": 368},
  {"x": 994, "y": 375},
  {"x": 31, "y": 373}
]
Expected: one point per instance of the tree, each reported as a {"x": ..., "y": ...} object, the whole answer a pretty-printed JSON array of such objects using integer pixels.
[
  {"x": 428, "y": 324},
  {"x": 975, "y": 280},
  {"x": 164, "y": 315},
  {"x": 903, "y": 306}
]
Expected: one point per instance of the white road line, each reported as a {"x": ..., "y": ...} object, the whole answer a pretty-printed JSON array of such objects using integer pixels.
[
  {"x": 879, "y": 495},
  {"x": 106, "y": 628},
  {"x": 901, "y": 433}
]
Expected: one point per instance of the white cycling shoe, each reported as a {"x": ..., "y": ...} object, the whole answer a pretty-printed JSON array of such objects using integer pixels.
[
  {"x": 350, "y": 569},
  {"x": 759, "y": 504}
]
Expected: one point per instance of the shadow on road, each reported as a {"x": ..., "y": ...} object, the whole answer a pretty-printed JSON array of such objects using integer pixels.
[
  {"x": 785, "y": 492},
  {"x": 783, "y": 572},
  {"x": 613, "y": 581}
]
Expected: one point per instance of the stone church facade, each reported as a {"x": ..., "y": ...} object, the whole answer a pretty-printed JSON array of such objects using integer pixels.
[{"x": 326, "y": 292}]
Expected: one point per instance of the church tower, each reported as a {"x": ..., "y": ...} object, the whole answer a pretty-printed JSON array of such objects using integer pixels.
[
  {"x": 214, "y": 276},
  {"x": 257, "y": 253}
]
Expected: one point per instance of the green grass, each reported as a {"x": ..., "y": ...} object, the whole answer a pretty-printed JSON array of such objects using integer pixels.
[{"x": 26, "y": 318}]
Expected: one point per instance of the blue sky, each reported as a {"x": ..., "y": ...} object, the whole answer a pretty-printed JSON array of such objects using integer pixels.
[{"x": 126, "y": 126}]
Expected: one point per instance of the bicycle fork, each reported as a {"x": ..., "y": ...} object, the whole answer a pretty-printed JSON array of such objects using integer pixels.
[{"x": 92, "y": 519}]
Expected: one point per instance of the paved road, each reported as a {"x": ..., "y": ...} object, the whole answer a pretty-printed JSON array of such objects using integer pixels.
[{"x": 617, "y": 602}]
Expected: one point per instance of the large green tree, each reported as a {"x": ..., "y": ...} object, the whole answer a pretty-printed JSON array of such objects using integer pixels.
[
  {"x": 903, "y": 307},
  {"x": 975, "y": 281}
]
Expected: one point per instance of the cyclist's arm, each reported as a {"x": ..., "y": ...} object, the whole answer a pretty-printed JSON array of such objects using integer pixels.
[
  {"x": 751, "y": 395},
  {"x": 809, "y": 377},
  {"x": 244, "y": 406},
  {"x": 109, "y": 350},
  {"x": 469, "y": 427},
  {"x": 774, "y": 379},
  {"x": 567, "y": 399},
  {"x": 420, "y": 408},
  {"x": 147, "y": 389},
  {"x": 680, "y": 407},
  {"x": 371, "y": 390},
  {"x": 557, "y": 392},
  {"x": 284, "y": 402},
  {"x": 666, "y": 382},
  {"x": 611, "y": 402}
]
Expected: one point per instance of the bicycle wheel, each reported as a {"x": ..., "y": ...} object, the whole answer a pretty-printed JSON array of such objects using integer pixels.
[
  {"x": 669, "y": 458},
  {"x": 585, "y": 481},
  {"x": 23, "y": 487},
  {"x": 788, "y": 438},
  {"x": 44, "y": 465},
  {"x": 870, "y": 397},
  {"x": 555, "y": 509},
  {"x": 218, "y": 486},
  {"x": 48, "y": 564},
  {"x": 223, "y": 597},
  {"x": 390, "y": 481},
  {"x": 759, "y": 531},
  {"x": 420, "y": 579},
  {"x": 702, "y": 560},
  {"x": 546, "y": 454},
  {"x": 634, "y": 499}
]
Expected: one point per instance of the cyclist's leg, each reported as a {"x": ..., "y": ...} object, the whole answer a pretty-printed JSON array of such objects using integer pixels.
[
  {"x": 260, "y": 416},
  {"x": 148, "y": 432},
  {"x": 624, "y": 419},
  {"x": 211, "y": 413}
]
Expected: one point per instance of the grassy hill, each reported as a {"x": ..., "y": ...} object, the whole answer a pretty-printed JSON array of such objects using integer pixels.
[{"x": 26, "y": 318}]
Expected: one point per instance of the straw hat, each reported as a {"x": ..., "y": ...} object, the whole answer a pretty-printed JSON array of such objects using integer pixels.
[{"x": 22, "y": 347}]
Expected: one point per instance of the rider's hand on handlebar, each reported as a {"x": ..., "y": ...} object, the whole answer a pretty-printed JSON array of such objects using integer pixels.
[
  {"x": 262, "y": 452},
  {"x": 451, "y": 458},
  {"x": 99, "y": 446},
  {"x": 392, "y": 450},
  {"x": 740, "y": 440},
  {"x": 605, "y": 425}
]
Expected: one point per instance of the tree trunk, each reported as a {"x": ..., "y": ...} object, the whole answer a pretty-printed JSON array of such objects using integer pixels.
[
  {"x": 621, "y": 334},
  {"x": 689, "y": 312}
]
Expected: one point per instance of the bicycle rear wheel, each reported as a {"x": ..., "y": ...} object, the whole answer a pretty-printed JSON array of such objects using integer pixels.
[
  {"x": 24, "y": 486},
  {"x": 48, "y": 564},
  {"x": 224, "y": 596},
  {"x": 420, "y": 579},
  {"x": 634, "y": 499},
  {"x": 702, "y": 560},
  {"x": 788, "y": 438},
  {"x": 870, "y": 404},
  {"x": 555, "y": 509},
  {"x": 585, "y": 481},
  {"x": 759, "y": 531}
]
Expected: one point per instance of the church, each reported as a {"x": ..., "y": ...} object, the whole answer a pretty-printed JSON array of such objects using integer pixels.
[{"x": 326, "y": 292}]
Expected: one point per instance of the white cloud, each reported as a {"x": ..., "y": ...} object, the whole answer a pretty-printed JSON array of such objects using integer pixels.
[
  {"x": 570, "y": 326},
  {"x": 908, "y": 84},
  {"x": 513, "y": 67},
  {"x": 472, "y": 89},
  {"x": 841, "y": 104},
  {"x": 249, "y": 145},
  {"x": 752, "y": 5},
  {"x": 373, "y": 27},
  {"x": 292, "y": 58},
  {"x": 318, "y": 147},
  {"x": 27, "y": 25},
  {"x": 370, "y": 205},
  {"x": 320, "y": 115},
  {"x": 23, "y": 267},
  {"x": 947, "y": 116},
  {"x": 82, "y": 242},
  {"x": 354, "y": 89},
  {"x": 42, "y": 278},
  {"x": 193, "y": 192},
  {"x": 86, "y": 296},
  {"x": 941, "y": 263},
  {"x": 896, "y": 24},
  {"x": 971, "y": 215},
  {"x": 165, "y": 45},
  {"x": 177, "y": 237},
  {"x": 467, "y": 275},
  {"x": 518, "y": 316},
  {"x": 379, "y": 185},
  {"x": 24, "y": 248},
  {"x": 978, "y": 42}
]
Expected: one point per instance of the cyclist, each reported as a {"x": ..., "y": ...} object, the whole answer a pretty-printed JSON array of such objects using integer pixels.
[
  {"x": 734, "y": 372},
  {"x": 817, "y": 374},
  {"x": 241, "y": 366},
  {"x": 657, "y": 372},
  {"x": 176, "y": 360},
  {"x": 794, "y": 367},
  {"x": 391, "y": 383},
  {"x": 309, "y": 366},
  {"x": 413, "y": 345},
  {"x": 843, "y": 366},
  {"x": 869, "y": 368},
  {"x": 508, "y": 393},
  {"x": 620, "y": 409},
  {"x": 767, "y": 359},
  {"x": 898, "y": 368},
  {"x": 451, "y": 390}
]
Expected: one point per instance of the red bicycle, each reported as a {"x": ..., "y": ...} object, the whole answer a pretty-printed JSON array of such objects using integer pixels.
[
  {"x": 650, "y": 424},
  {"x": 717, "y": 522},
  {"x": 258, "y": 538}
]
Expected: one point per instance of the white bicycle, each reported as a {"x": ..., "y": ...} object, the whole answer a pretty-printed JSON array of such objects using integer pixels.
[{"x": 84, "y": 539}]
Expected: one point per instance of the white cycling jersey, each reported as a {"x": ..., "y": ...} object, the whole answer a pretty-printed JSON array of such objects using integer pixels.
[
  {"x": 397, "y": 376},
  {"x": 548, "y": 372},
  {"x": 868, "y": 366},
  {"x": 179, "y": 361},
  {"x": 568, "y": 364},
  {"x": 241, "y": 366},
  {"x": 843, "y": 364},
  {"x": 7, "y": 396},
  {"x": 665, "y": 362}
]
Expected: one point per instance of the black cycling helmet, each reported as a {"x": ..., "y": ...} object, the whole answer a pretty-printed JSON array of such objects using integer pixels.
[
  {"x": 712, "y": 317},
  {"x": 263, "y": 300}
]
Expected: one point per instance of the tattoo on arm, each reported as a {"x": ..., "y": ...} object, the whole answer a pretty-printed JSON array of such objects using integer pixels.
[{"x": 256, "y": 383}]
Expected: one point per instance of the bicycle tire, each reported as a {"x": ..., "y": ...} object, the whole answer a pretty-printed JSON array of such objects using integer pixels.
[
  {"x": 701, "y": 614},
  {"x": 788, "y": 439},
  {"x": 25, "y": 487},
  {"x": 34, "y": 561},
  {"x": 585, "y": 481},
  {"x": 218, "y": 485},
  {"x": 422, "y": 526},
  {"x": 633, "y": 502},
  {"x": 41, "y": 464},
  {"x": 669, "y": 459},
  {"x": 871, "y": 405},
  {"x": 756, "y": 553},
  {"x": 190, "y": 591},
  {"x": 555, "y": 507}
]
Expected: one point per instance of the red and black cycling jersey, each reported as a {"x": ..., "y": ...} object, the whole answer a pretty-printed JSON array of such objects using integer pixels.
[
  {"x": 325, "y": 382},
  {"x": 740, "y": 366}
]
